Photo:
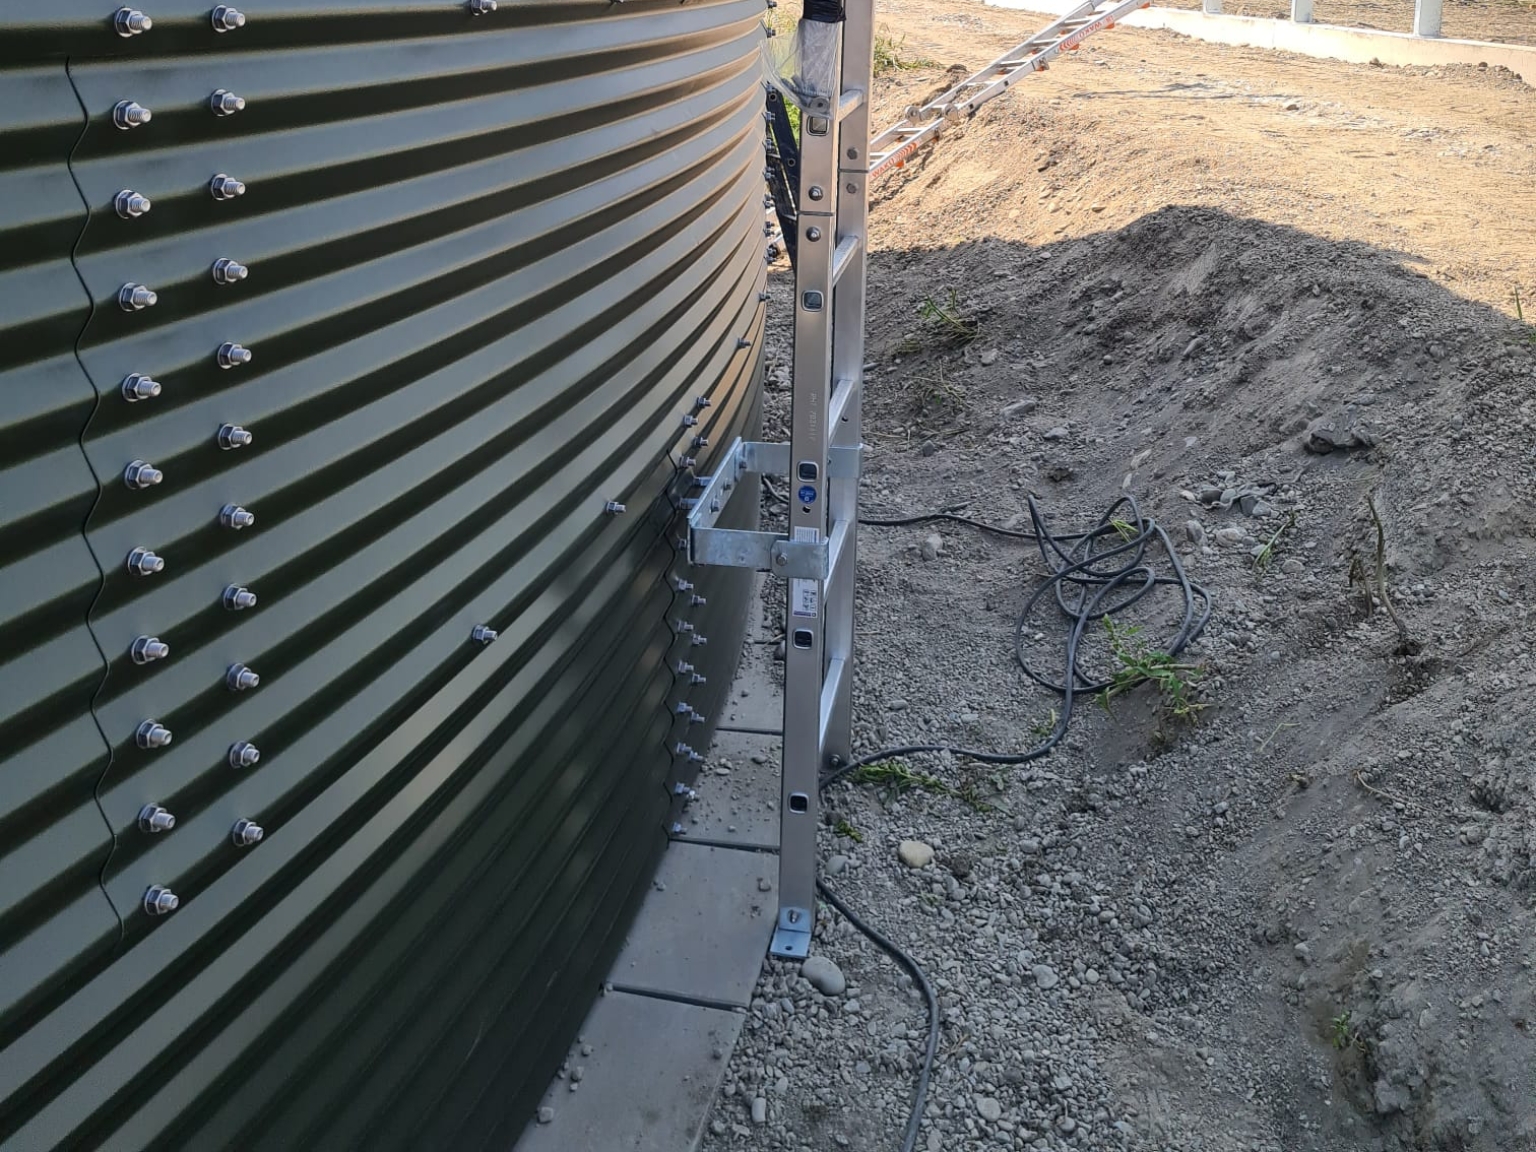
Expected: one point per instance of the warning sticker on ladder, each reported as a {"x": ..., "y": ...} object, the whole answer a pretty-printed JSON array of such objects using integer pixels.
[{"x": 804, "y": 597}]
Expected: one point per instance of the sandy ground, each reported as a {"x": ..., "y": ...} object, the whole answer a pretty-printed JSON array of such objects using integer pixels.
[{"x": 1263, "y": 295}]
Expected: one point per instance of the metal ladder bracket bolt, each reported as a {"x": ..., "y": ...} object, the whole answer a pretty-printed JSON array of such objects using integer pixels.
[
  {"x": 226, "y": 19},
  {"x": 613, "y": 508},
  {"x": 153, "y": 818},
  {"x": 161, "y": 901},
  {"x": 236, "y": 517},
  {"x": 143, "y": 562},
  {"x": 684, "y": 708},
  {"x": 223, "y": 187},
  {"x": 816, "y": 192},
  {"x": 480, "y": 634},
  {"x": 152, "y": 734},
  {"x": 142, "y": 475},
  {"x": 698, "y": 601},
  {"x": 232, "y": 355},
  {"x": 137, "y": 386},
  {"x": 689, "y": 420},
  {"x": 699, "y": 641},
  {"x": 227, "y": 271},
  {"x": 237, "y": 598},
  {"x": 223, "y": 102},
  {"x": 243, "y": 755},
  {"x": 684, "y": 668},
  {"x": 128, "y": 114},
  {"x": 247, "y": 832},
  {"x": 130, "y": 205},
  {"x": 135, "y": 298},
  {"x": 148, "y": 649},
  {"x": 130, "y": 22},
  {"x": 700, "y": 442},
  {"x": 682, "y": 585},
  {"x": 481, "y": 7},
  {"x": 695, "y": 678},
  {"x": 239, "y": 678},
  {"x": 233, "y": 436},
  {"x": 813, "y": 233}
]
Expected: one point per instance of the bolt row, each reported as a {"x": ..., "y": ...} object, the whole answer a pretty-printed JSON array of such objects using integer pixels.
[
  {"x": 134, "y": 297},
  {"x": 129, "y": 22}
]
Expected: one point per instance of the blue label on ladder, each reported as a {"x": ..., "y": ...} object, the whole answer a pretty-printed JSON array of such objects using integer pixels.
[{"x": 807, "y": 494}]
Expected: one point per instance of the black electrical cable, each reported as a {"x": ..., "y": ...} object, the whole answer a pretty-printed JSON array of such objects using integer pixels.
[{"x": 1081, "y": 567}]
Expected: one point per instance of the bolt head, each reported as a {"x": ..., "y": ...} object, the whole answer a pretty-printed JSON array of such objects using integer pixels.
[
  {"x": 130, "y": 204},
  {"x": 127, "y": 114},
  {"x": 480, "y": 634},
  {"x": 153, "y": 818},
  {"x": 225, "y": 187},
  {"x": 243, "y": 754},
  {"x": 236, "y": 517},
  {"x": 143, "y": 562},
  {"x": 160, "y": 901},
  {"x": 238, "y": 598},
  {"x": 226, "y": 19},
  {"x": 152, "y": 734},
  {"x": 613, "y": 508},
  {"x": 233, "y": 436},
  {"x": 247, "y": 832},
  {"x": 142, "y": 475},
  {"x": 131, "y": 22},
  {"x": 239, "y": 678},
  {"x": 232, "y": 355},
  {"x": 135, "y": 298},
  {"x": 137, "y": 386},
  {"x": 226, "y": 271},
  {"x": 148, "y": 649},
  {"x": 226, "y": 103},
  {"x": 816, "y": 192}
]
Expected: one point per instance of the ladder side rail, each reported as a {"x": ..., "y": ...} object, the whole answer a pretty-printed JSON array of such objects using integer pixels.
[
  {"x": 808, "y": 516},
  {"x": 848, "y": 316}
]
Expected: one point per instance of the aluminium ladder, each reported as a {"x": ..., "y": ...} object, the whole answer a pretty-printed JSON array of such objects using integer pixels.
[
  {"x": 821, "y": 460},
  {"x": 893, "y": 147}
]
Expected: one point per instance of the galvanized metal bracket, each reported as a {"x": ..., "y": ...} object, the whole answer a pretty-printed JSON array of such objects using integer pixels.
[
  {"x": 792, "y": 937},
  {"x": 762, "y": 551}
]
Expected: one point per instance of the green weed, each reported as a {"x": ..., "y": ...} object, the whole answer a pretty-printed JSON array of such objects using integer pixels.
[
  {"x": 1266, "y": 557},
  {"x": 1137, "y": 663},
  {"x": 844, "y": 828},
  {"x": 895, "y": 777},
  {"x": 890, "y": 54}
]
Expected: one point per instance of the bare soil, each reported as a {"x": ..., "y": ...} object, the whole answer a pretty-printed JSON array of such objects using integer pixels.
[{"x": 1305, "y": 921}]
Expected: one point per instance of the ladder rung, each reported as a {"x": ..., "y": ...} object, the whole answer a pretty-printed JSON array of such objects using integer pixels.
[
  {"x": 831, "y": 685},
  {"x": 842, "y": 392},
  {"x": 846, "y": 248},
  {"x": 849, "y": 102}
]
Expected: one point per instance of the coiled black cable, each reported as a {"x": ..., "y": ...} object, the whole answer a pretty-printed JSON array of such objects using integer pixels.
[{"x": 1103, "y": 581}]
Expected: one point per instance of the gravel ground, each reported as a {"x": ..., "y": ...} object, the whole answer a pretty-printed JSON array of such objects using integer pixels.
[{"x": 1301, "y": 921}]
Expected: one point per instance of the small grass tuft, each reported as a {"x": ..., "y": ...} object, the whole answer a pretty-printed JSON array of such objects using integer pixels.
[
  {"x": 844, "y": 828},
  {"x": 1265, "y": 558},
  {"x": 948, "y": 321},
  {"x": 1137, "y": 663},
  {"x": 891, "y": 54},
  {"x": 1043, "y": 728},
  {"x": 896, "y": 776}
]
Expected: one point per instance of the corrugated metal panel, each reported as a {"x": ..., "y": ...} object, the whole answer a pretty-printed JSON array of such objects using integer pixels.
[
  {"x": 493, "y": 264},
  {"x": 54, "y": 918}
]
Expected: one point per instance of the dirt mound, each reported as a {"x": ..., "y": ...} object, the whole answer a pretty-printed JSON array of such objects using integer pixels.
[{"x": 1306, "y": 921}]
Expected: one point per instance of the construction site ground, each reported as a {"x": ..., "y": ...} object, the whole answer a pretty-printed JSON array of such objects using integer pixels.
[{"x": 1263, "y": 295}]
